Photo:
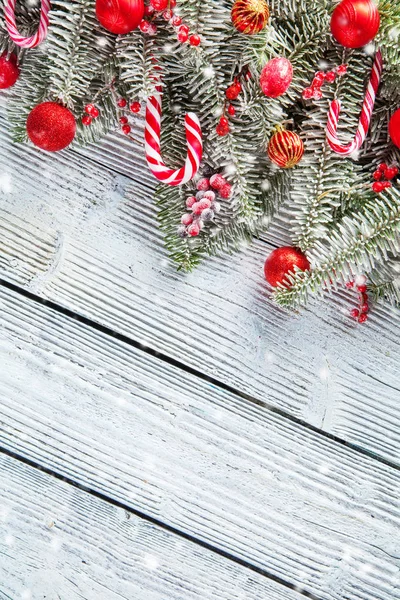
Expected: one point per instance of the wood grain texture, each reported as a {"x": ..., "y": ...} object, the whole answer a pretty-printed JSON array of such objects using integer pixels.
[
  {"x": 57, "y": 542},
  {"x": 289, "y": 501},
  {"x": 86, "y": 238}
]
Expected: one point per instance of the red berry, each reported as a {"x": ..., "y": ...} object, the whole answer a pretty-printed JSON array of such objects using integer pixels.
[
  {"x": 190, "y": 201},
  {"x": 377, "y": 175},
  {"x": 210, "y": 195},
  {"x": 183, "y": 34},
  {"x": 193, "y": 229},
  {"x": 382, "y": 167},
  {"x": 196, "y": 208},
  {"x": 308, "y": 93},
  {"x": 318, "y": 79},
  {"x": 362, "y": 289},
  {"x": 217, "y": 181},
  {"x": 222, "y": 131},
  {"x": 135, "y": 107},
  {"x": 330, "y": 77},
  {"x": 122, "y": 102},
  {"x": 176, "y": 20},
  {"x": 350, "y": 285},
  {"x": 362, "y": 318},
  {"x": 231, "y": 110},
  {"x": 194, "y": 40},
  {"x": 90, "y": 108},
  {"x": 233, "y": 91},
  {"x": 187, "y": 219},
  {"x": 317, "y": 94},
  {"x": 172, "y": 3},
  {"x": 152, "y": 30},
  {"x": 159, "y": 4},
  {"x": 203, "y": 184},
  {"x": 386, "y": 184},
  {"x": 225, "y": 191},
  {"x": 224, "y": 122},
  {"x": 378, "y": 187},
  {"x": 341, "y": 70},
  {"x": 144, "y": 26},
  {"x": 203, "y": 204},
  {"x": 365, "y": 307},
  {"x": 167, "y": 15},
  {"x": 354, "y": 313},
  {"x": 126, "y": 129},
  {"x": 9, "y": 70},
  {"x": 391, "y": 172},
  {"x": 86, "y": 120},
  {"x": 123, "y": 120},
  {"x": 148, "y": 11}
]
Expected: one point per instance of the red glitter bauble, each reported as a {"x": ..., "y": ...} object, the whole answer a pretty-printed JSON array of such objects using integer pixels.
[
  {"x": 51, "y": 126},
  {"x": 276, "y": 77},
  {"x": 9, "y": 71},
  {"x": 250, "y": 16},
  {"x": 394, "y": 128},
  {"x": 355, "y": 23},
  {"x": 120, "y": 16},
  {"x": 285, "y": 148},
  {"x": 283, "y": 261}
]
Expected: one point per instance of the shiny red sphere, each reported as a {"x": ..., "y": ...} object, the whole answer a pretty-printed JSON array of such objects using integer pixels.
[
  {"x": 394, "y": 128},
  {"x": 355, "y": 23},
  {"x": 120, "y": 16},
  {"x": 276, "y": 77},
  {"x": 9, "y": 71},
  {"x": 282, "y": 261},
  {"x": 51, "y": 126}
]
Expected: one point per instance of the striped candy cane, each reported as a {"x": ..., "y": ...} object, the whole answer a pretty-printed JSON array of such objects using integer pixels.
[
  {"x": 194, "y": 142},
  {"x": 17, "y": 38},
  {"x": 365, "y": 118}
]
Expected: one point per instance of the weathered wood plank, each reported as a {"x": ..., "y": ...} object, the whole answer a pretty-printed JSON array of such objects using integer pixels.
[
  {"x": 200, "y": 459},
  {"x": 59, "y": 542}
]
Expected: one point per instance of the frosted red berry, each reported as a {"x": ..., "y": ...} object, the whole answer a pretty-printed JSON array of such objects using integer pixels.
[
  {"x": 308, "y": 93},
  {"x": 167, "y": 15},
  {"x": 330, "y": 77},
  {"x": 217, "y": 181},
  {"x": 152, "y": 30},
  {"x": 126, "y": 129},
  {"x": 350, "y": 285},
  {"x": 187, "y": 219},
  {"x": 196, "y": 208},
  {"x": 183, "y": 34},
  {"x": 225, "y": 191},
  {"x": 210, "y": 195},
  {"x": 135, "y": 107},
  {"x": 341, "y": 70},
  {"x": 149, "y": 11},
  {"x": 203, "y": 184},
  {"x": 159, "y": 4},
  {"x": 194, "y": 40},
  {"x": 122, "y": 102},
  {"x": 144, "y": 26},
  {"x": 86, "y": 120},
  {"x": 193, "y": 229},
  {"x": 317, "y": 94},
  {"x": 176, "y": 20},
  {"x": 190, "y": 201},
  {"x": 318, "y": 79},
  {"x": 203, "y": 204}
]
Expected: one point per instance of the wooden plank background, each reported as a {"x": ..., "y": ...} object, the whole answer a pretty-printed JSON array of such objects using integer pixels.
[{"x": 188, "y": 400}]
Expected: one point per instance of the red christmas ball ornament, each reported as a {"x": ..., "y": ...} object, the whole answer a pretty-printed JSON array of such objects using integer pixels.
[
  {"x": 250, "y": 16},
  {"x": 51, "y": 126},
  {"x": 9, "y": 70},
  {"x": 276, "y": 77},
  {"x": 283, "y": 261},
  {"x": 355, "y": 23},
  {"x": 285, "y": 148},
  {"x": 120, "y": 16},
  {"x": 394, "y": 128}
]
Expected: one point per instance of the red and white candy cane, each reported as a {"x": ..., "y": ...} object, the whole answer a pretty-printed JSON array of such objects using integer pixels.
[
  {"x": 194, "y": 142},
  {"x": 365, "y": 118},
  {"x": 17, "y": 38}
]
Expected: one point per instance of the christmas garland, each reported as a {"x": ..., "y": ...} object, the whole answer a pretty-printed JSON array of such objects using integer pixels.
[{"x": 291, "y": 109}]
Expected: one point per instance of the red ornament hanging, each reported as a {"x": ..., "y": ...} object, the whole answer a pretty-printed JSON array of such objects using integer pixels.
[
  {"x": 276, "y": 77},
  {"x": 283, "y": 261},
  {"x": 394, "y": 128},
  {"x": 120, "y": 16},
  {"x": 355, "y": 23},
  {"x": 9, "y": 70},
  {"x": 250, "y": 16},
  {"x": 51, "y": 126},
  {"x": 285, "y": 148}
]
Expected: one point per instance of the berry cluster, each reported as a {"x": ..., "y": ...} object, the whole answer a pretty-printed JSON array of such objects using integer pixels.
[
  {"x": 166, "y": 8},
  {"x": 231, "y": 93},
  {"x": 383, "y": 177},
  {"x": 91, "y": 112},
  {"x": 360, "y": 313},
  {"x": 204, "y": 204},
  {"x": 315, "y": 90}
]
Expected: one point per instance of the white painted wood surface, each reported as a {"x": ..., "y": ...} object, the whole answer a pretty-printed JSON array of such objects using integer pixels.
[
  {"x": 287, "y": 500},
  {"x": 59, "y": 543},
  {"x": 81, "y": 235}
]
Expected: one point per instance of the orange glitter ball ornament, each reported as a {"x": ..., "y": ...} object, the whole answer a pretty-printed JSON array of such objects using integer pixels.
[
  {"x": 285, "y": 148},
  {"x": 250, "y": 16}
]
